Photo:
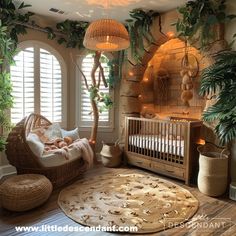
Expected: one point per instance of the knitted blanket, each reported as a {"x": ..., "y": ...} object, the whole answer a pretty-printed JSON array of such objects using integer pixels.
[{"x": 81, "y": 145}]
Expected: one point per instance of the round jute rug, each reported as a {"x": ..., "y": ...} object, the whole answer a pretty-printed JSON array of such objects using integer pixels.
[{"x": 134, "y": 198}]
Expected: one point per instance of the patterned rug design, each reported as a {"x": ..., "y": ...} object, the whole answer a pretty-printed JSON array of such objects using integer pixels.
[{"x": 134, "y": 198}]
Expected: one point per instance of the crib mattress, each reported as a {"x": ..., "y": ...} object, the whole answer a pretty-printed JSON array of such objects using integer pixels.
[{"x": 157, "y": 143}]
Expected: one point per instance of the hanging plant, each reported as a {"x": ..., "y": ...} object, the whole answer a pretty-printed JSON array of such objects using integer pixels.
[
  {"x": 139, "y": 29},
  {"x": 199, "y": 19}
]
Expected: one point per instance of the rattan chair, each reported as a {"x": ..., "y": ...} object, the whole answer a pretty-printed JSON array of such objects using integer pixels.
[{"x": 20, "y": 155}]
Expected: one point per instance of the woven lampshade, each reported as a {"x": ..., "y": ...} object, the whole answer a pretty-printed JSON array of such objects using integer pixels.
[{"x": 106, "y": 35}]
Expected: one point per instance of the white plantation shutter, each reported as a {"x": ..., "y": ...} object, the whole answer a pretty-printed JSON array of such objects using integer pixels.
[
  {"x": 50, "y": 87},
  {"x": 85, "y": 115},
  {"x": 22, "y": 77},
  {"x": 37, "y": 85}
]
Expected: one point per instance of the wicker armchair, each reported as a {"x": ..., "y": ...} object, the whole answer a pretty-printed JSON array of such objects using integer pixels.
[{"x": 20, "y": 155}]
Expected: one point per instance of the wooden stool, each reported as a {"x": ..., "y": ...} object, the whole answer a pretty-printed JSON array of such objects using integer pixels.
[{"x": 24, "y": 192}]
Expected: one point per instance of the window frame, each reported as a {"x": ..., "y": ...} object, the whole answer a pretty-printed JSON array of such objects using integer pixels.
[
  {"x": 107, "y": 126},
  {"x": 37, "y": 45}
]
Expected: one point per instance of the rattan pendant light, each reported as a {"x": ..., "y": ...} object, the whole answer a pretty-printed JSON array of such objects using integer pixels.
[{"x": 106, "y": 35}]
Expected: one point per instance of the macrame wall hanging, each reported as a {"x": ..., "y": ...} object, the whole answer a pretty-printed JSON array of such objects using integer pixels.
[
  {"x": 190, "y": 67},
  {"x": 161, "y": 86}
]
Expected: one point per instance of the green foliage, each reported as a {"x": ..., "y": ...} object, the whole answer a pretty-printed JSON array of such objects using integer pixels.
[
  {"x": 199, "y": 18},
  {"x": 7, "y": 51},
  {"x": 10, "y": 27},
  {"x": 103, "y": 100},
  {"x": 115, "y": 67},
  {"x": 13, "y": 18},
  {"x": 220, "y": 79},
  {"x": 74, "y": 32},
  {"x": 139, "y": 28}
]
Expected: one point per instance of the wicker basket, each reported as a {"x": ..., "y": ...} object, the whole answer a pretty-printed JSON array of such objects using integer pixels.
[
  {"x": 25, "y": 192},
  {"x": 20, "y": 155},
  {"x": 111, "y": 155},
  {"x": 213, "y": 170}
]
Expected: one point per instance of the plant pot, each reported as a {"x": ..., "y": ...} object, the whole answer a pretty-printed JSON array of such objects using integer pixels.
[
  {"x": 213, "y": 170},
  {"x": 111, "y": 155}
]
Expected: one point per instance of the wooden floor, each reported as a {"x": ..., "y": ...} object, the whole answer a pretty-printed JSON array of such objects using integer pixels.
[{"x": 216, "y": 216}]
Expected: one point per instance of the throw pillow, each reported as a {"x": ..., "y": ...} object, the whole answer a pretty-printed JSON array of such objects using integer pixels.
[
  {"x": 53, "y": 131},
  {"x": 74, "y": 134}
]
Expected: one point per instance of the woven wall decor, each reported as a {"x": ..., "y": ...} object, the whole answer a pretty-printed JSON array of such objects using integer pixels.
[
  {"x": 106, "y": 35},
  {"x": 128, "y": 198}
]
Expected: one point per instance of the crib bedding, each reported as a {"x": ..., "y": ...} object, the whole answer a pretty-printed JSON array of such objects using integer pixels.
[{"x": 158, "y": 143}]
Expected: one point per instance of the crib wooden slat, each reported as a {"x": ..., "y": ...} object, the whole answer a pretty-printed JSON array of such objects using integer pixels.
[
  {"x": 144, "y": 137},
  {"x": 168, "y": 140},
  {"x": 161, "y": 148},
  {"x": 180, "y": 147},
  {"x": 142, "y": 143},
  {"x": 133, "y": 127},
  {"x": 175, "y": 146},
  {"x": 149, "y": 139},
  {"x": 138, "y": 136},
  {"x": 155, "y": 138},
  {"x": 165, "y": 151}
]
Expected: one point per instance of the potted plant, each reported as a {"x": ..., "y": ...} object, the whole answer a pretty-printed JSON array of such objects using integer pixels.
[{"x": 219, "y": 82}]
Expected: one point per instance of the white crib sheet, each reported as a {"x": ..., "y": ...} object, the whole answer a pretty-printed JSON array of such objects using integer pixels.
[{"x": 158, "y": 143}]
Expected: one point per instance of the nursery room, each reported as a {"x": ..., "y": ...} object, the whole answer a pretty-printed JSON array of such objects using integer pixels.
[{"x": 118, "y": 117}]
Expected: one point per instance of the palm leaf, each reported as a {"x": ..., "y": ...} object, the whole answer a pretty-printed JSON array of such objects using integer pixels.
[{"x": 220, "y": 78}]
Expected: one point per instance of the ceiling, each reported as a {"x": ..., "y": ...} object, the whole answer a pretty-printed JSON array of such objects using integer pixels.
[{"x": 89, "y": 10}]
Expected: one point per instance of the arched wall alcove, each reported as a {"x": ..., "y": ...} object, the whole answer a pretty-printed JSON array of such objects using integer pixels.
[
  {"x": 138, "y": 91},
  {"x": 162, "y": 81}
]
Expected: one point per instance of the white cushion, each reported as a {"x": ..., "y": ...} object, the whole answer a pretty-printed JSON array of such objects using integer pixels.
[
  {"x": 53, "y": 131},
  {"x": 74, "y": 134},
  {"x": 35, "y": 144}
]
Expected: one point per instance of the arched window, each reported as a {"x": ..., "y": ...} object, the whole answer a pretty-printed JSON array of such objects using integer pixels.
[
  {"x": 85, "y": 109},
  {"x": 38, "y": 80}
]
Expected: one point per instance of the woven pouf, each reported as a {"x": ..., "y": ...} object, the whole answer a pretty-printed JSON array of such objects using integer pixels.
[{"x": 24, "y": 192}]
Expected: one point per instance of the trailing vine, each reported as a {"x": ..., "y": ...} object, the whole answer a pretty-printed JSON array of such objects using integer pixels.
[
  {"x": 9, "y": 32},
  {"x": 199, "y": 19},
  {"x": 139, "y": 29},
  {"x": 73, "y": 32}
]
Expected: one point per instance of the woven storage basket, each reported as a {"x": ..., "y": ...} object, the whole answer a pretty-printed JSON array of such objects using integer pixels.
[
  {"x": 213, "y": 170},
  {"x": 25, "y": 192},
  {"x": 111, "y": 155}
]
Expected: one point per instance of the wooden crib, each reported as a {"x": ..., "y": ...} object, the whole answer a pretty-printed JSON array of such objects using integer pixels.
[{"x": 164, "y": 146}]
